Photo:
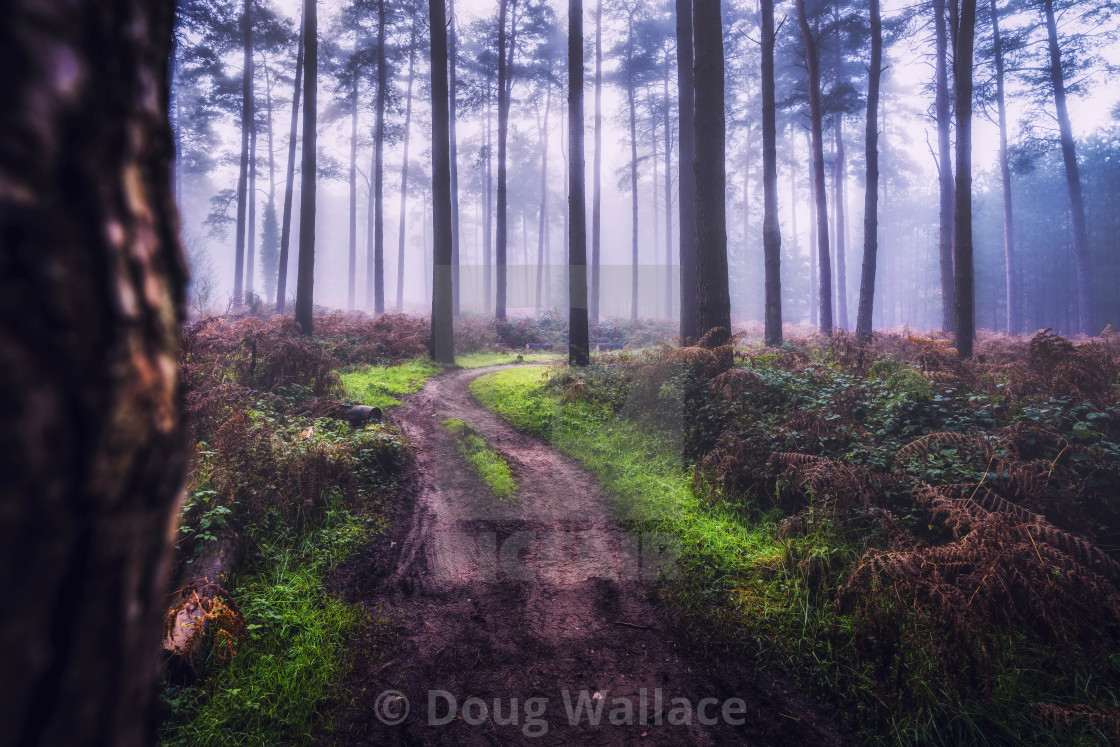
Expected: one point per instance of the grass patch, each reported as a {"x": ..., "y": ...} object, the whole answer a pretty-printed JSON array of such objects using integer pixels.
[
  {"x": 486, "y": 358},
  {"x": 489, "y": 464},
  {"x": 380, "y": 386}
]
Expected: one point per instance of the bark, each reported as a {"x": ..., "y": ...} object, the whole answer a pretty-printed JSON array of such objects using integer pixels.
[
  {"x": 1073, "y": 178},
  {"x": 794, "y": 249},
  {"x": 597, "y": 176},
  {"x": 251, "y": 230},
  {"x": 443, "y": 333},
  {"x": 839, "y": 175},
  {"x": 404, "y": 168},
  {"x": 453, "y": 103},
  {"x": 771, "y": 230},
  {"x": 871, "y": 190},
  {"x": 271, "y": 162},
  {"x": 379, "y": 166},
  {"x": 1014, "y": 323},
  {"x": 305, "y": 282},
  {"x": 812, "y": 60},
  {"x": 488, "y": 228},
  {"x": 814, "y": 301},
  {"x": 713, "y": 297},
  {"x": 243, "y": 173},
  {"x": 92, "y": 291},
  {"x": 962, "y": 243},
  {"x": 686, "y": 177},
  {"x": 503, "y": 133},
  {"x": 542, "y": 228},
  {"x": 667, "y": 123},
  {"x": 352, "y": 275},
  {"x": 289, "y": 185},
  {"x": 578, "y": 337},
  {"x": 944, "y": 168},
  {"x": 630, "y": 92}
]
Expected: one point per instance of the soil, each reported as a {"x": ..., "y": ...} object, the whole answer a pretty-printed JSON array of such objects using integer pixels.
[{"x": 531, "y": 599}]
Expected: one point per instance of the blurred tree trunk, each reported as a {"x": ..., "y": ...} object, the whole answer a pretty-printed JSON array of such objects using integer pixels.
[
  {"x": 1014, "y": 320},
  {"x": 962, "y": 243},
  {"x": 597, "y": 195},
  {"x": 443, "y": 318},
  {"x": 713, "y": 297},
  {"x": 289, "y": 185},
  {"x": 305, "y": 282},
  {"x": 668, "y": 188},
  {"x": 1085, "y": 321},
  {"x": 453, "y": 103},
  {"x": 404, "y": 167},
  {"x": 503, "y": 136},
  {"x": 771, "y": 230},
  {"x": 92, "y": 284},
  {"x": 871, "y": 188},
  {"x": 379, "y": 166},
  {"x": 542, "y": 227},
  {"x": 686, "y": 177},
  {"x": 243, "y": 173},
  {"x": 631, "y": 86},
  {"x": 816, "y": 128},
  {"x": 839, "y": 184},
  {"x": 352, "y": 268},
  {"x": 578, "y": 336},
  {"x": 251, "y": 230},
  {"x": 943, "y": 114},
  {"x": 814, "y": 305},
  {"x": 488, "y": 227}
]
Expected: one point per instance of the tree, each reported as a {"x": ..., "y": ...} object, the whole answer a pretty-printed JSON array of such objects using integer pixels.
[
  {"x": 578, "y": 336},
  {"x": 443, "y": 333},
  {"x": 686, "y": 156},
  {"x": 597, "y": 190},
  {"x": 378, "y": 295},
  {"x": 812, "y": 62},
  {"x": 771, "y": 231},
  {"x": 243, "y": 174},
  {"x": 94, "y": 454},
  {"x": 504, "y": 85},
  {"x": 289, "y": 186},
  {"x": 413, "y": 41},
  {"x": 453, "y": 84},
  {"x": 871, "y": 189},
  {"x": 962, "y": 235},
  {"x": 943, "y": 114},
  {"x": 713, "y": 296},
  {"x": 305, "y": 283}
]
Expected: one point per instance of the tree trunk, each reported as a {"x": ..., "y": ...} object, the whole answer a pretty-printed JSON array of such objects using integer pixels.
[
  {"x": 597, "y": 190},
  {"x": 251, "y": 230},
  {"x": 243, "y": 173},
  {"x": 630, "y": 85},
  {"x": 944, "y": 168},
  {"x": 270, "y": 208},
  {"x": 379, "y": 166},
  {"x": 453, "y": 103},
  {"x": 686, "y": 177},
  {"x": 578, "y": 337},
  {"x": 1014, "y": 322},
  {"x": 305, "y": 282},
  {"x": 352, "y": 276},
  {"x": 542, "y": 229},
  {"x": 503, "y": 133},
  {"x": 771, "y": 230},
  {"x": 812, "y": 60},
  {"x": 713, "y": 297},
  {"x": 1073, "y": 179},
  {"x": 962, "y": 244},
  {"x": 668, "y": 196},
  {"x": 839, "y": 174},
  {"x": 404, "y": 169},
  {"x": 871, "y": 189},
  {"x": 443, "y": 317},
  {"x": 92, "y": 291},
  {"x": 488, "y": 229},
  {"x": 289, "y": 185},
  {"x": 794, "y": 250},
  {"x": 814, "y": 301}
]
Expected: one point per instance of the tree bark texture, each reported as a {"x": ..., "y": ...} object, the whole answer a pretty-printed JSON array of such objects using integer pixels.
[
  {"x": 771, "y": 230},
  {"x": 289, "y": 186},
  {"x": 962, "y": 243},
  {"x": 443, "y": 333},
  {"x": 578, "y": 336},
  {"x": 866, "y": 309},
  {"x": 686, "y": 177},
  {"x": 305, "y": 282}
]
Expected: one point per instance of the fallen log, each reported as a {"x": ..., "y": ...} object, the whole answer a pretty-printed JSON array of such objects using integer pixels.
[{"x": 358, "y": 415}]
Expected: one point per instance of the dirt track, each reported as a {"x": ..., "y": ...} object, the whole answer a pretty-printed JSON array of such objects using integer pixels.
[{"x": 529, "y": 600}]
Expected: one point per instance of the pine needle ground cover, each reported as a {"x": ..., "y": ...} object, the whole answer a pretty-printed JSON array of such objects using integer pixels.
[{"x": 926, "y": 543}]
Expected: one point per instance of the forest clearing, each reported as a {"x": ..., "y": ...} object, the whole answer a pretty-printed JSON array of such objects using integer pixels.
[{"x": 503, "y": 372}]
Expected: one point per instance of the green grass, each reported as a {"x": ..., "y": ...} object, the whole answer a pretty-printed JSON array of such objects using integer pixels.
[
  {"x": 485, "y": 359},
  {"x": 491, "y": 467},
  {"x": 380, "y": 386}
]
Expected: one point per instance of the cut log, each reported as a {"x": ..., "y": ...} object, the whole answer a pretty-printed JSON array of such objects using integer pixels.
[{"x": 358, "y": 415}]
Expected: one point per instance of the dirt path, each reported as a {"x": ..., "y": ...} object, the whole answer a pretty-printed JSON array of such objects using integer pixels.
[{"x": 530, "y": 600}]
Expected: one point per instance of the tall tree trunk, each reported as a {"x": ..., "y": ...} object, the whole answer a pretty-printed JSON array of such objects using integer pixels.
[
  {"x": 686, "y": 176},
  {"x": 944, "y": 167},
  {"x": 839, "y": 176},
  {"x": 503, "y": 133},
  {"x": 379, "y": 165},
  {"x": 443, "y": 315},
  {"x": 713, "y": 296},
  {"x": 243, "y": 174},
  {"x": 542, "y": 229},
  {"x": 794, "y": 250},
  {"x": 404, "y": 169},
  {"x": 1014, "y": 320},
  {"x": 305, "y": 282},
  {"x": 962, "y": 244},
  {"x": 578, "y": 337},
  {"x": 667, "y": 124},
  {"x": 1085, "y": 319},
  {"x": 771, "y": 230},
  {"x": 289, "y": 185},
  {"x": 488, "y": 229},
  {"x": 270, "y": 208},
  {"x": 597, "y": 176},
  {"x": 453, "y": 102},
  {"x": 871, "y": 189},
  {"x": 251, "y": 230},
  {"x": 820, "y": 199},
  {"x": 352, "y": 275},
  {"x": 814, "y": 304},
  {"x": 92, "y": 291},
  {"x": 630, "y": 85}
]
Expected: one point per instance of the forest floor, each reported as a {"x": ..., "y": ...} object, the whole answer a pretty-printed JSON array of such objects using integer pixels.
[{"x": 542, "y": 596}]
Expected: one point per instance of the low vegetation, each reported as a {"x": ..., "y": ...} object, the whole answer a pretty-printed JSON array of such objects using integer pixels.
[
  {"x": 927, "y": 543},
  {"x": 491, "y": 466}
]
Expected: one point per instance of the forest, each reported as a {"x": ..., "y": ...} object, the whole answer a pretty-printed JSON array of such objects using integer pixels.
[{"x": 503, "y": 371}]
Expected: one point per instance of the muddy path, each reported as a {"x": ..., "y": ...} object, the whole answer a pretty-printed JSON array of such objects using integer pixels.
[{"x": 544, "y": 601}]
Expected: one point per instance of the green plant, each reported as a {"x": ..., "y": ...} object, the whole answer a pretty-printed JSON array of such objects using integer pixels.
[{"x": 490, "y": 466}]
